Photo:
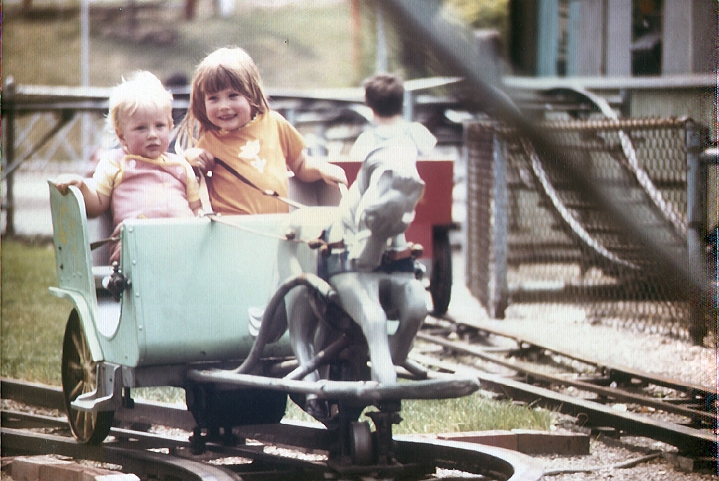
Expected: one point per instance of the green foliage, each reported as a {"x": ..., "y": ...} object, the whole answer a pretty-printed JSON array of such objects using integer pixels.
[
  {"x": 491, "y": 14},
  {"x": 294, "y": 47},
  {"x": 33, "y": 321}
]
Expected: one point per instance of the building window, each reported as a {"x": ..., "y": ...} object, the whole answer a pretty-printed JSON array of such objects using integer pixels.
[{"x": 646, "y": 37}]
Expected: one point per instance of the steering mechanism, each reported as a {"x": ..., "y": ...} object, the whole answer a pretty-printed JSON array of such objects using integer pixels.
[{"x": 116, "y": 283}]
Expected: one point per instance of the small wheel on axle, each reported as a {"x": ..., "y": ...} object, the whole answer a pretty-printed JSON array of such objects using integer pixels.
[
  {"x": 361, "y": 443},
  {"x": 79, "y": 376},
  {"x": 440, "y": 283}
]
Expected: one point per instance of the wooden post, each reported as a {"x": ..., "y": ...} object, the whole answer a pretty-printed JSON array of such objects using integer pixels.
[
  {"x": 696, "y": 229},
  {"x": 9, "y": 155}
]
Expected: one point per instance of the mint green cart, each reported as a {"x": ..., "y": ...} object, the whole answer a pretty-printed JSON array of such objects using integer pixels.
[{"x": 183, "y": 309}]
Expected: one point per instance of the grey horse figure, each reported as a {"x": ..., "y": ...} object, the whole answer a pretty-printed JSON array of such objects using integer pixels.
[{"x": 368, "y": 266}]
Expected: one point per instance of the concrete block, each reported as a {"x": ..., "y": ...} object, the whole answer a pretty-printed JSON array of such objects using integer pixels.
[
  {"x": 27, "y": 468},
  {"x": 497, "y": 438},
  {"x": 47, "y": 468},
  {"x": 62, "y": 472},
  {"x": 117, "y": 477},
  {"x": 98, "y": 474},
  {"x": 546, "y": 442}
]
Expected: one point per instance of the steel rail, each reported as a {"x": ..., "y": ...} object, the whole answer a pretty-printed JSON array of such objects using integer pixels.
[
  {"x": 607, "y": 392},
  {"x": 416, "y": 457},
  {"x": 128, "y": 450},
  {"x": 689, "y": 441},
  {"x": 413, "y": 455},
  {"x": 611, "y": 370},
  {"x": 21, "y": 442}
]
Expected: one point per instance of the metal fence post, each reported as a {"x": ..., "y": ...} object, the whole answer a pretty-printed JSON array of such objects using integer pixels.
[
  {"x": 498, "y": 295},
  {"x": 696, "y": 229},
  {"x": 8, "y": 115}
]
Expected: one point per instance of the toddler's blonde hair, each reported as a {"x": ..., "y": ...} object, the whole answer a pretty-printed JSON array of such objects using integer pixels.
[{"x": 141, "y": 89}]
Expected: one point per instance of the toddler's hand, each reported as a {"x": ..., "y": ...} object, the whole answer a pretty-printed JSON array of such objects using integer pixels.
[
  {"x": 63, "y": 181},
  {"x": 200, "y": 158}
]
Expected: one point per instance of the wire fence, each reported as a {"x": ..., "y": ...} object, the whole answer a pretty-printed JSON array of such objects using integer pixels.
[{"x": 535, "y": 237}]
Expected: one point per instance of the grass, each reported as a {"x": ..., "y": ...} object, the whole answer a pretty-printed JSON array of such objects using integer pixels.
[
  {"x": 294, "y": 47},
  {"x": 33, "y": 323},
  {"x": 470, "y": 413},
  {"x": 32, "y": 320}
]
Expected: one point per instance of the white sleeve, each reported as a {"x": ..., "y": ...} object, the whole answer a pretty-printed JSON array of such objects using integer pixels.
[
  {"x": 424, "y": 139},
  {"x": 362, "y": 146}
]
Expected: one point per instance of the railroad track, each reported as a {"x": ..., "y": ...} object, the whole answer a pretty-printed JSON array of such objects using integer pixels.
[
  {"x": 667, "y": 410},
  {"x": 278, "y": 451}
]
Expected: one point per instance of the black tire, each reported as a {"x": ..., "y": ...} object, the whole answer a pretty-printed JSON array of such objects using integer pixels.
[
  {"x": 361, "y": 443},
  {"x": 440, "y": 282},
  {"x": 79, "y": 376}
]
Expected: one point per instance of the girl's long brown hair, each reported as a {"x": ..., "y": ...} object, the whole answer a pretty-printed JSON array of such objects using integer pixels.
[{"x": 227, "y": 67}]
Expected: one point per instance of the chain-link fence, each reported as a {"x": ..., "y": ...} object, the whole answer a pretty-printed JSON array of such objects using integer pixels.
[{"x": 535, "y": 237}]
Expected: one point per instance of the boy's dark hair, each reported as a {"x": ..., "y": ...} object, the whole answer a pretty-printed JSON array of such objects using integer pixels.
[{"x": 384, "y": 94}]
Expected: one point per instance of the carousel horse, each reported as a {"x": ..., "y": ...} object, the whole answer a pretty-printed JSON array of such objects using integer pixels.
[{"x": 367, "y": 268}]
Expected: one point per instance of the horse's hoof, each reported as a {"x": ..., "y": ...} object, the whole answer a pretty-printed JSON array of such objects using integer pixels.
[{"x": 318, "y": 409}]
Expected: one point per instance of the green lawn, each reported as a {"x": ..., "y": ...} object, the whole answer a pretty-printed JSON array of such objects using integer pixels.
[
  {"x": 32, "y": 320},
  {"x": 293, "y": 47}
]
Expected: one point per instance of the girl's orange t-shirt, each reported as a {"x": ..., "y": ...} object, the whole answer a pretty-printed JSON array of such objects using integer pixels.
[{"x": 260, "y": 152}]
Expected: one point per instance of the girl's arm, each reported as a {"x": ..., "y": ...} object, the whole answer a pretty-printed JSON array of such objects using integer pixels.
[
  {"x": 196, "y": 207},
  {"x": 95, "y": 202},
  {"x": 199, "y": 158},
  {"x": 310, "y": 169}
]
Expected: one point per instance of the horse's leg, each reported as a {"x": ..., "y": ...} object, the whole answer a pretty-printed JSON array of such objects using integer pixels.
[
  {"x": 359, "y": 295},
  {"x": 306, "y": 341},
  {"x": 408, "y": 296},
  {"x": 302, "y": 324}
]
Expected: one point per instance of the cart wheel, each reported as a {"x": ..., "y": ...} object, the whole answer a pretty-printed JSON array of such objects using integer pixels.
[
  {"x": 440, "y": 283},
  {"x": 79, "y": 376},
  {"x": 361, "y": 446}
]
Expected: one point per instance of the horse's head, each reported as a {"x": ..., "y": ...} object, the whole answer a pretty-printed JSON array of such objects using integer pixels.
[{"x": 382, "y": 212}]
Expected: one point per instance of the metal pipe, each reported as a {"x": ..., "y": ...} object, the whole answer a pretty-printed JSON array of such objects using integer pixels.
[
  {"x": 306, "y": 279},
  {"x": 9, "y": 157},
  {"x": 696, "y": 230}
]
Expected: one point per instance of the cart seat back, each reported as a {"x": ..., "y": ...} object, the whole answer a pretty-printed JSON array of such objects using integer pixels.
[{"x": 72, "y": 243}]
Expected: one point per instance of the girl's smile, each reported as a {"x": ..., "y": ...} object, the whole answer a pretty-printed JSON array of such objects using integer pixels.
[{"x": 228, "y": 109}]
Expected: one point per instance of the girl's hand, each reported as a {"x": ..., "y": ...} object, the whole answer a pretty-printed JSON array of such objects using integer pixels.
[
  {"x": 200, "y": 158},
  {"x": 332, "y": 174},
  {"x": 310, "y": 169},
  {"x": 63, "y": 181}
]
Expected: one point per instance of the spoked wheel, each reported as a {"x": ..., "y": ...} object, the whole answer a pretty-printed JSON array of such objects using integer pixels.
[
  {"x": 361, "y": 445},
  {"x": 440, "y": 283},
  {"x": 79, "y": 376}
]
